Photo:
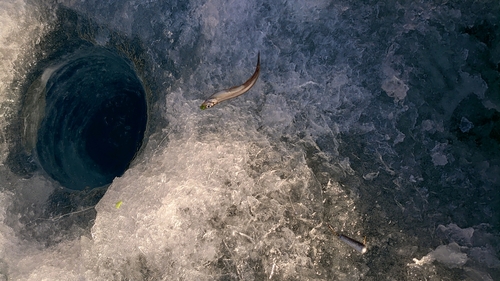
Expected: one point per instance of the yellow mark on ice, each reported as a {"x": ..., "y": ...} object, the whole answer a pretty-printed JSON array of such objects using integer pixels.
[{"x": 118, "y": 204}]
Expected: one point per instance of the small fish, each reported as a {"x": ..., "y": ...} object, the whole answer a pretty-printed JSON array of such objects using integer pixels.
[
  {"x": 233, "y": 91},
  {"x": 356, "y": 245}
]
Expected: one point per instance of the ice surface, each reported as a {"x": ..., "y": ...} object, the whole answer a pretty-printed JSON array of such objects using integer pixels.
[
  {"x": 395, "y": 88},
  {"x": 449, "y": 255},
  {"x": 465, "y": 125},
  {"x": 356, "y": 121},
  {"x": 20, "y": 30},
  {"x": 457, "y": 234},
  {"x": 468, "y": 246}
]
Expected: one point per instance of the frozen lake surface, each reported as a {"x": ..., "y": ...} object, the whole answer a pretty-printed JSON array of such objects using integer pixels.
[{"x": 380, "y": 119}]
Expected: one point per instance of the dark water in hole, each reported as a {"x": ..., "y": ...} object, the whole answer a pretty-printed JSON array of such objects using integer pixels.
[{"x": 95, "y": 118}]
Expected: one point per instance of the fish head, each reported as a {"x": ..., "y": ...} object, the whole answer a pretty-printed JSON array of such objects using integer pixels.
[{"x": 208, "y": 103}]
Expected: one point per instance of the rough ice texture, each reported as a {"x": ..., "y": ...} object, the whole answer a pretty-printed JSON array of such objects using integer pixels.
[
  {"x": 449, "y": 255},
  {"x": 395, "y": 88},
  {"x": 243, "y": 190},
  {"x": 20, "y": 32},
  {"x": 465, "y": 125}
]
